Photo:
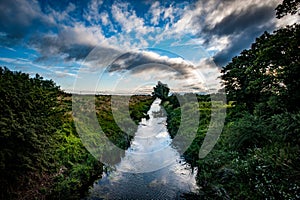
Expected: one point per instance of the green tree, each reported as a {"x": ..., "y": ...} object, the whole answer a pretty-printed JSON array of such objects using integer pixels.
[
  {"x": 267, "y": 73},
  {"x": 41, "y": 154},
  {"x": 30, "y": 116},
  {"x": 287, "y": 7},
  {"x": 161, "y": 91}
]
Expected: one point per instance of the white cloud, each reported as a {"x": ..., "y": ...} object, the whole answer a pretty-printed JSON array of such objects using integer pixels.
[
  {"x": 91, "y": 14},
  {"x": 184, "y": 25},
  {"x": 63, "y": 74},
  {"x": 218, "y": 43},
  {"x": 104, "y": 18},
  {"x": 181, "y": 74},
  {"x": 80, "y": 34},
  {"x": 179, "y": 21},
  {"x": 128, "y": 19},
  {"x": 19, "y": 61},
  {"x": 169, "y": 13},
  {"x": 11, "y": 49},
  {"x": 59, "y": 17},
  {"x": 213, "y": 22},
  {"x": 155, "y": 12},
  {"x": 287, "y": 20}
]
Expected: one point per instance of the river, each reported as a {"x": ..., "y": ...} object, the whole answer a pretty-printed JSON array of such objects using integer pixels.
[{"x": 151, "y": 167}]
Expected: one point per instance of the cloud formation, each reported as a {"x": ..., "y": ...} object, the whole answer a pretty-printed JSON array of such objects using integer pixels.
[
  {"x": 72, "y": 43},
  {"x": 67, "y": 32},
  {"x": 240, "y": 22},
  {"x": 137, "y": 62},
  {"x": 18, "y": 18}
]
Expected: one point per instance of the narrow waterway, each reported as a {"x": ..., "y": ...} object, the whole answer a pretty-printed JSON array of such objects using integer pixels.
[{"x": 151, "y": 168}]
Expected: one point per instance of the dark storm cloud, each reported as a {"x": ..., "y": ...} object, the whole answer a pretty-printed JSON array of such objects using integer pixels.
[
  {"x": 18, "y": 18},
  {"x": 238, "y": 22},
  {"x": 242, "y": 27},
  {"x": 23, "y": 22},
  {"x": 57, "y": 45},
  {"x": 238, "y": 43},
  {"x": 142, "y": 62},
  {"x": 49, "y": 47},
  {"x": 77, "y": 51},
  {"x": 34, "y": 22}
]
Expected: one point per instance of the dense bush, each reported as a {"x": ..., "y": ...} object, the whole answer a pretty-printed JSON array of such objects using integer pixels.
[
  {"x": 41, "y": 154},
  {"x": 30, "y": 116}
]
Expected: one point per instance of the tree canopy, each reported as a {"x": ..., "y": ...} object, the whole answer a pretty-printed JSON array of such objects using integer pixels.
[
  {"x": 268, "y": 72},
  {"x": 29, "y": 118},
  {"x": 161, "y": 91},
  {"x": 287, "y": 7}
]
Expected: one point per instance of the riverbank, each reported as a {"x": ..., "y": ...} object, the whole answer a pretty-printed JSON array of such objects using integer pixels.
[
  {"x": 41, "y": 153},
  {"x": 76, "y": 178},
  {"x": 150, "y": 169},
  {"x": 255, "y": 157}
]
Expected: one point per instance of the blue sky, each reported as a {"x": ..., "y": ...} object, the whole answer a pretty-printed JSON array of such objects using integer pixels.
[{"x": 127, "y": 46}]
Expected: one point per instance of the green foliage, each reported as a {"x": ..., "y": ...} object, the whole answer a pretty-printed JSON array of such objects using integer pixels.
[
  {"x": 41, "y": 154},
  {"x": 138, "y": 106},
  {"x": 287, "y": 7},
  {"x": 255, "y": 158},
  {"x": 174, "y": 109},
  {"x": 266, "y": 173},
  {"x": 30, "y": 114},
  {"x": 247, "y": 133},
  {"x": 78, "y": 168},
  {"x": 257, "y": 155},
  {"x": 268, "y": 72},
  {"x": 161, "y": 91}
]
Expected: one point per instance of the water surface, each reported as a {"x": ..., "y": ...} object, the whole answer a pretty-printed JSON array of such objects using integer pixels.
[{"x": 151, "y": 167}]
